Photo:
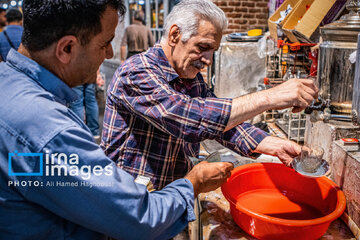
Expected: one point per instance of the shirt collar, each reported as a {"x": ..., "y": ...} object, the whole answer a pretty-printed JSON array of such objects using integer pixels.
[
  {"x": 63, "y": 93},
  {"x": 164, "y": 62},
  {"x": 137, "y": 23},
  {"x": 13, "y": 26}
]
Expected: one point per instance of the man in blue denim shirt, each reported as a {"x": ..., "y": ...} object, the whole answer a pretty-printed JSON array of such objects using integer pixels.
[
  {"x": 11, "y": 36},
  {"x": 55, "y": 182}
]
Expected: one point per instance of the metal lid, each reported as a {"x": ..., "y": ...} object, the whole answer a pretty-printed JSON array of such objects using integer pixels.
[
  {"x": 347, "y": 28},
  {"x": 242, "y": 37}
]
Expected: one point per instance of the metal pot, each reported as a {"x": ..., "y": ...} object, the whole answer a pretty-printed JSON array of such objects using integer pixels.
[{"x": 336, "y": 72}]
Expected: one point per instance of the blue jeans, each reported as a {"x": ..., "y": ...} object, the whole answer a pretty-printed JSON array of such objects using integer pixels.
[{"x": 87, "y": 102}]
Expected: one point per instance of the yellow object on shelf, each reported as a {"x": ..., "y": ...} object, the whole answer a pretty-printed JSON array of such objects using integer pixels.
[
  {"x": 285, "y": 49},
  {"x": 255, "y": 32}
]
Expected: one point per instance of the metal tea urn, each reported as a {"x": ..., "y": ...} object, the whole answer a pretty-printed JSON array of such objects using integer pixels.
[
  {"x": 335, "y": 71},
  {"x": 356, "y": 93}
]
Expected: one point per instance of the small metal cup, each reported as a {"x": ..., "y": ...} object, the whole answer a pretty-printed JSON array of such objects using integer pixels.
[{"x": 311, "y": 158}]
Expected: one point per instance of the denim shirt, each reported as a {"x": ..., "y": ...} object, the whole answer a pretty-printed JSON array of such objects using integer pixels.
[
  {"x": 56, "y": 182},
  {"x": 14, "y": 32}
]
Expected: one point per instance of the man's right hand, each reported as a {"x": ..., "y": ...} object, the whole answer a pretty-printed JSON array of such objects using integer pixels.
[
  {"x": 295, "y": 93},
  {"x": 206, "y": 176}
]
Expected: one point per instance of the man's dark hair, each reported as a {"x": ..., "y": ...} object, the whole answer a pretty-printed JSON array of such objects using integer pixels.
[
  {"x": 139, "y": 15},
  {"x": 2, "y": 10},
  {"x": 13, "y": 15},
  {"x": 47, "y": 21}
]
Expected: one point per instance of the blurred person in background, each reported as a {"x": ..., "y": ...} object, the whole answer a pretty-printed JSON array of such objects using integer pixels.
[
  {"x": 10, "y": 37},
  {"x": 159, "y": 107},
  {"x": 2, "y": 19},
  {"x": 86, "y": 106},
  {"x": 137, "y": 37}
]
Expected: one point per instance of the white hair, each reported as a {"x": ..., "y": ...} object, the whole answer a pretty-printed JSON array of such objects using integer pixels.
[{"x": 187, "y": 15}]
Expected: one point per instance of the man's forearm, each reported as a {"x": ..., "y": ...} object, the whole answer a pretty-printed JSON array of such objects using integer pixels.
[
  {"x": 296, "y": 93},
  {"x": 246, "y": 107},
  {"x": 123, "y": 53}
]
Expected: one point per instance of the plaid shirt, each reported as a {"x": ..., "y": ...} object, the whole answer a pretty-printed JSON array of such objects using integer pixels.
[{"x": 154, "y": 120}]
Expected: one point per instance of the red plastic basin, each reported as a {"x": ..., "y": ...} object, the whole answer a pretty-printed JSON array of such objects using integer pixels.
[{"x": 272, "y": 201}]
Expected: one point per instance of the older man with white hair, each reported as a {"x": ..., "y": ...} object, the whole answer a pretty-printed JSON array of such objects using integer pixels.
[{"x": 159, "y": 108}]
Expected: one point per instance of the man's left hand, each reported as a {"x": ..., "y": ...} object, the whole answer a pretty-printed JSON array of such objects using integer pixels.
[{"x": 284, "y": 149}]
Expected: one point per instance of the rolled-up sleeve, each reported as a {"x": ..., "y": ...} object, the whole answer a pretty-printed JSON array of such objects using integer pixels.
[
  {"x": 147, "y": 94},
  {"x": 110, "y": 203},
  {"x": 243, "y": 139}
]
